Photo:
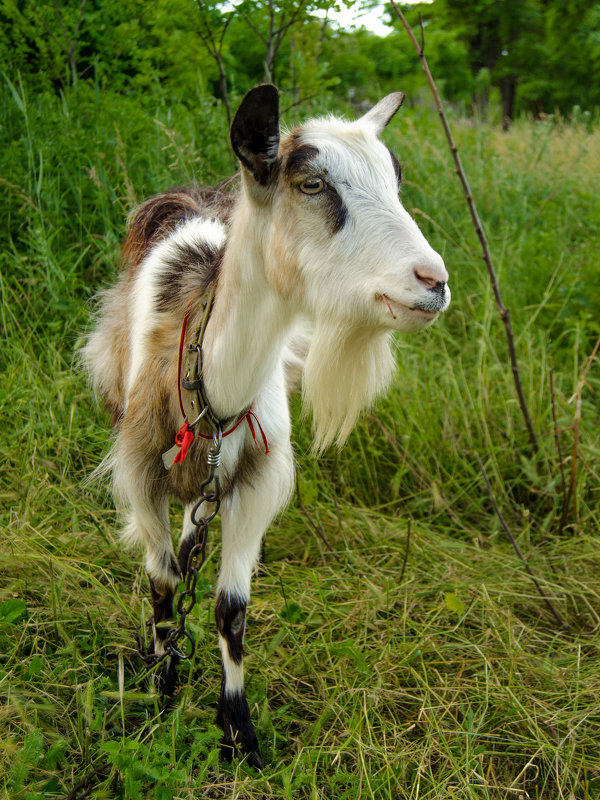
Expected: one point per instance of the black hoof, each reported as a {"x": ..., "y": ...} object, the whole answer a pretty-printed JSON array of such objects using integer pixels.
[
  {"x": 230, "y": 749},
  {"x": 165, "y": 679},
  {"x": 254, "y": 760},
  {"x": 233, "y": 717}
]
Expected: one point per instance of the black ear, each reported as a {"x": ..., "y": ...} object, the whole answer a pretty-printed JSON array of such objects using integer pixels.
[{"x": 255, "y": 131}]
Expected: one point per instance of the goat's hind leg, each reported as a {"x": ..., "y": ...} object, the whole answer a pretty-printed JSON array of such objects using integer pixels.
[
  {"x": 189, "y": 534},
  {"x": 149, "y": 523}
]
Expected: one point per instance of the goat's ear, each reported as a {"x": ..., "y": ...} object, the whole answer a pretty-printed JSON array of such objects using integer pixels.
[
  {"x": 255, "y": 131},
  {"x": 382, "y": 113}
]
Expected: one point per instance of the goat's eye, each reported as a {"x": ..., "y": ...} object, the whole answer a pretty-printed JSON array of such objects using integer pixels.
[{"x": 312, "y": 186}]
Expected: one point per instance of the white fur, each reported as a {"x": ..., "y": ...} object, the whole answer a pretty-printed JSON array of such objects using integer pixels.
[
  {"x": 143, "y": 316},
  {"x": 344, "y": 280},
  {"x": 234, "y": 673}
]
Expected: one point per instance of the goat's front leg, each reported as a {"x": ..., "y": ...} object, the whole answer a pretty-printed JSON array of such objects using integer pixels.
[{"x": 245, "y": 517}]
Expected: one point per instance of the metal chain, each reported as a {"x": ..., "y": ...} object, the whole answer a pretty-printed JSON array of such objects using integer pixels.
[{"x": 210, "y": 492}]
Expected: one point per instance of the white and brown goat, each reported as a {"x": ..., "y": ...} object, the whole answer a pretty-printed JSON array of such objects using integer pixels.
[{"x": 316, "y": 232}]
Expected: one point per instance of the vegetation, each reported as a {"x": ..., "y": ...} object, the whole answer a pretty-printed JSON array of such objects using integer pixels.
[
  {"x": 415, "y": 659},
  {"x": 502, "y": 57}
]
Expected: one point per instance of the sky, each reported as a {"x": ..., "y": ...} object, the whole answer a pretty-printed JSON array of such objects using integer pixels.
[{"x": 373, "y": 19}]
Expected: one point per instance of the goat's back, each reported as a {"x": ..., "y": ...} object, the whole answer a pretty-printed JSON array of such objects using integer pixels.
[
  {"x": 157, "y": 217},
  {"x": 107, "y": 353}
]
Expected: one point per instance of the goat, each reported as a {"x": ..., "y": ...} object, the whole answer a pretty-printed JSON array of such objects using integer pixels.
[{"x": 316, "y": 231}]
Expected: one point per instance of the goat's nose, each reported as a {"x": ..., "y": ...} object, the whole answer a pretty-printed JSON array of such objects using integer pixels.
[{"x": 430, "y": 277}]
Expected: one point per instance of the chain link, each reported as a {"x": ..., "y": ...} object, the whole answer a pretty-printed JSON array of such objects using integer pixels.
[{"x": 210, "y": 492}]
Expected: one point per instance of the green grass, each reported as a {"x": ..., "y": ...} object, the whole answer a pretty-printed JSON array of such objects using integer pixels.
[{"x": 417, "y": 660}]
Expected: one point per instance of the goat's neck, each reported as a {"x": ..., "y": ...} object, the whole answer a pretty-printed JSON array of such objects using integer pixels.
[{"x": 249, "y": 321}]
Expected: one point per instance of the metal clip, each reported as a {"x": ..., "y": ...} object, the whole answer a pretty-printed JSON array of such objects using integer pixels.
[{"x": 213, "y": 458}]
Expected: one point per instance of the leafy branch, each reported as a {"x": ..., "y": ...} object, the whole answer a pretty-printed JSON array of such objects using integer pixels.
[{"x": 68, "y": 42}]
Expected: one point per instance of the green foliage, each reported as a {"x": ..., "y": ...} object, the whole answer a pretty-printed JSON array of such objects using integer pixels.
[
  {"x": 121, "y": 45},
  {"x": 536, "y": 56},
  {"x": 367, "y": 65},
  {"x": 416, "y": 661},
  {"x": 539, "y": 55},
  {"x": 572, "y": 33},
  {"x": 12, "y": 611}
]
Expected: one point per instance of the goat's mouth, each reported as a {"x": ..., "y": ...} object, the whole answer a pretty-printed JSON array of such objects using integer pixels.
[{"x": 395, "y": 308}]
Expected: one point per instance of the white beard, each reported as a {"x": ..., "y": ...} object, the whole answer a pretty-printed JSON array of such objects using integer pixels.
[{"x": 346, "y": 368}]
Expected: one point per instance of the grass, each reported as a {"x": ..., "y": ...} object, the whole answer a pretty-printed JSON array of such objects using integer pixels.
[{"x": 415, "y": 661}]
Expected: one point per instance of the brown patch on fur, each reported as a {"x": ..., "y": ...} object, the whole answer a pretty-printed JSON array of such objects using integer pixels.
[
  {"x": 288, "y": 143},
  {"x": 184, "y": 479},
  {"x": 247, "y": 467},
  {"x": 162, "y": 347},
  {"x": 147, "y": 427},
  {"x": 108, "y": 350},
  {"x": 160, "y": 215},
  {"x": 154, "y": 412},
  {"x": 281, "y": 268},
  {"x": 106, "y": 354}
]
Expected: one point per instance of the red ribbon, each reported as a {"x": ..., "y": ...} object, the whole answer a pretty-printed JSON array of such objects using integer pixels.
[
  {"x": 248, "y": 417},
  {"x": 183, "y": 440},
  {"x": 249, "y": 414},
  {"x": 181, "y": 341},
  {"x": 185, "y": 435}
]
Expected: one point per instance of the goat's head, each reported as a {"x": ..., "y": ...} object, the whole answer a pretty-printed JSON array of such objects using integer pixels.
[{"x": 339, "y": 241}]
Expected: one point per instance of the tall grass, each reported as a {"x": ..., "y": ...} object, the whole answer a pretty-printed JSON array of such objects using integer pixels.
[{"x": 415, "y": 661}]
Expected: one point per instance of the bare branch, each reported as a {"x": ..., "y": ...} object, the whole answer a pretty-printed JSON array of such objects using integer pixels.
[
  {"x": 298, "y": 102},
  {"x": 516, "y": 547},
  {"x": 558, "y": 447},
  {"x": 223, "y": 32},
  {"x": 216, "y": 52},
  {"x": 251, "y": 25},
  {"x": 277, "y": 31},
  {"x": 487, "y": 257},
  {"x": 205, "y": 31}
]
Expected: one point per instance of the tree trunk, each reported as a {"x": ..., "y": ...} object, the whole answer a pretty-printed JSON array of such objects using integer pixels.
[
  {"x": 223, "y": 87},
  {"x": 508, "y": 90}
]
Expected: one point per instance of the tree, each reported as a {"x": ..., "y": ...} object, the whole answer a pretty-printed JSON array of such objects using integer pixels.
[
  {"x": 271, "y": 23},
  {"x": 539, "y": 54},
  {"x": 212, "y": 27},
  {"x": 571, "y": 70},
  {"x": 44, "y": 34},
  {"x": 500, "y": 38}
]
